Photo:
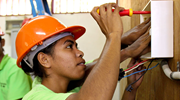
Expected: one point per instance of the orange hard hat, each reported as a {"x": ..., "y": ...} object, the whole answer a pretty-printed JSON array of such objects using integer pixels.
[{"x": 38, "y": 30}]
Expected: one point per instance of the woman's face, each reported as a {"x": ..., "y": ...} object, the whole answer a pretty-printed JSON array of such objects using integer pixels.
[{"x": 66, "y": 60}]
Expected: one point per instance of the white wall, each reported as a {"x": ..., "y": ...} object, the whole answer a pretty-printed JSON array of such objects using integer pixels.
[{"x": 91, "y": 43}]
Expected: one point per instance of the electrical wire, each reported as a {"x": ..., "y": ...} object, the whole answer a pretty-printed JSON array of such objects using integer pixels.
[
  {"x": 140, "y": 71},
  {"x": 129, "y": 88},
  {"x": 136, "y": 65}
]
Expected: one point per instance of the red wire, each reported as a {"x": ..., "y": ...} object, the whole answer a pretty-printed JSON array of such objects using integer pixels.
[{"x": 136, "y": 65}]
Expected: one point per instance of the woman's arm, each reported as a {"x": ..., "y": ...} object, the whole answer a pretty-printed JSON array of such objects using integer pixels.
[{"x": 101, "y": 82}]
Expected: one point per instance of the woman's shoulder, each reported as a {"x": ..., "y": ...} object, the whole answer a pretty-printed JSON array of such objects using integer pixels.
[
  {"x": 37, "y": 92},
  {"x": 40, "y": 92}
]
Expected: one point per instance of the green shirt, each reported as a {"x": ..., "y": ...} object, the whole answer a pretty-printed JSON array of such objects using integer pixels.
[
  {"x": 14, "y": 83},
  {"x": 40, "y": 92}
]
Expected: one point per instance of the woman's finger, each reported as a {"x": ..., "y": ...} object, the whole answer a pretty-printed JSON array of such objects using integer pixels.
[
  {"x": 117, "y": 8},
  {"x": 94, "y": 14},
  {"x": 102, "y": 9}
]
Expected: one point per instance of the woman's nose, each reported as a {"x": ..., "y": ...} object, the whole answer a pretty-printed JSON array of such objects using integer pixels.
[{"x": 80, "y": 53}]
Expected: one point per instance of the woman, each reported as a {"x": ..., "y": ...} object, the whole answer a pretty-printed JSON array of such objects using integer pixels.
[{"x": 49, "y": 50}]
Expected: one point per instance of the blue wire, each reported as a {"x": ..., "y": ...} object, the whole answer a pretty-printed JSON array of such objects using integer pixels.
[{"x": 141, "y": 71}]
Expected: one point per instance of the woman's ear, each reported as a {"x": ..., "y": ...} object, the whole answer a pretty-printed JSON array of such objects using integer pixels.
[{"x": 44, "y": 59}]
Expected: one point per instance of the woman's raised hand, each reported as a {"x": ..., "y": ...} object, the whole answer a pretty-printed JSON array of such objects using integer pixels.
[{"x": 108, "y": 21}]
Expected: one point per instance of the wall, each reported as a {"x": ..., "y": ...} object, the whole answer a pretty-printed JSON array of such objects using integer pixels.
[
  {"x": 156, "y": 86},
  {"x": 93, "y": 40}
]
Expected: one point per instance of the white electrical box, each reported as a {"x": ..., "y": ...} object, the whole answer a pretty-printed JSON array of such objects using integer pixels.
[{"x": 161, "y": 28}]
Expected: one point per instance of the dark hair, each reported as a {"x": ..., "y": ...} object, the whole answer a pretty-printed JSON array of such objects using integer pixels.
[
  {"x": 0, "y": 42},
  {"x": 37, "y": 67}
]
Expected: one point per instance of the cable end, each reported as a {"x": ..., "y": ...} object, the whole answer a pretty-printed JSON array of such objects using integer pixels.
[
  {"x": 129, "y": 88},
  {"x": 121, "y": 74}
]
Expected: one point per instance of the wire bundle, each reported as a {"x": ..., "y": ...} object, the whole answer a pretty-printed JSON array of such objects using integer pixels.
[
  {"x": 140, "y": 71},
  {"x": 136, "y": 66},
  {"x": 129, "y": 88},
  {"x": 123, "y": 72}
]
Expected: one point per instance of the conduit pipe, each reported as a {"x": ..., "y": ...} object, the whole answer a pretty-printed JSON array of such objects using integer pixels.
[{"x": 168, "y": 72}]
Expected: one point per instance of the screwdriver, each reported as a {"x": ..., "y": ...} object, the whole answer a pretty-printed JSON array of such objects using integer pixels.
[{"x": 129, "y": 12}]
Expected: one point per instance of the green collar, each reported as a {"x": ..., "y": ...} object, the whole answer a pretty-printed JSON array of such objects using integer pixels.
[
  {"x": 37, "y": 80},
  {"x": 4, "y": 61}
]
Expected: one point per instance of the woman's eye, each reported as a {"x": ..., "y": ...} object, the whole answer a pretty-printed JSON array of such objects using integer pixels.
[{"x": 69, "y": 46}]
